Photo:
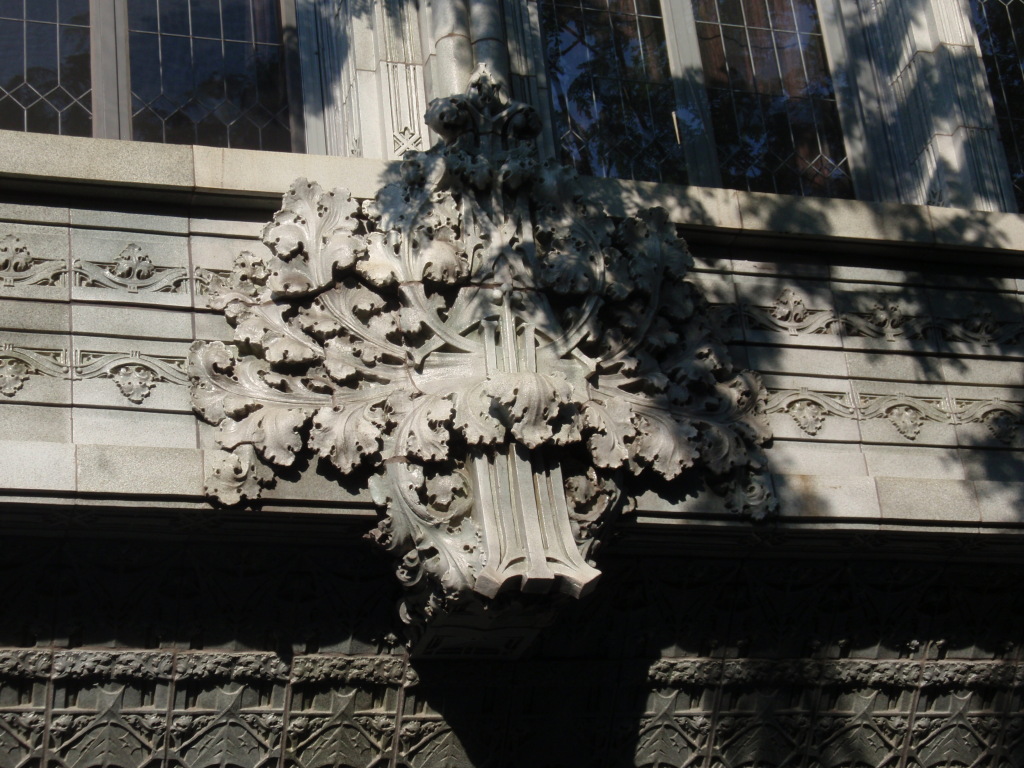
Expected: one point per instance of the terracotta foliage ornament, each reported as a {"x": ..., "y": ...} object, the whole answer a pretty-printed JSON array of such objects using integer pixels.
[{"x": 493, "y": 356}]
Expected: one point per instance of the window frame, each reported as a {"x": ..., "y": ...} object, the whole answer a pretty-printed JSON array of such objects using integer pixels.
[
  {"x": 687, "y": 71},
  {"x": 111, "y": 78}
]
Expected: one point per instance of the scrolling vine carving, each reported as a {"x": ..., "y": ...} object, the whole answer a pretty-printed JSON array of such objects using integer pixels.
[{"x": 495, "y": 356}]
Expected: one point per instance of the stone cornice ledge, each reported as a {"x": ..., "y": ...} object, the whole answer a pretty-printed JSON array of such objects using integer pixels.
[{"x": 211, "y": 175}]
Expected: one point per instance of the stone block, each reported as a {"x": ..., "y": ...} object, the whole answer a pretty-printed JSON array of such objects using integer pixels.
[
  {"x": 985, "y": 229},
  {"x": 927, "y": 500},
  {"x": 37, "y": 368},
  {"x": 132, "y": 322},
  {"x": 212, "y": 327},
  {"x": 885, "y": 430},
  {"x": 37, "y": 466},
  {"x": 34, "y": 214},
  {"x": 36, "y": 423},
  {"x": 1001, "y": 503},
  {"x": 137, "y": 374},
  {"x": 716, "y": 288},
  {"x": 805, "y": 415},
  {"x": 219, "y": 253},
  {"x": 39, "y": 316},
  {"x": 881, "y": 305},
  {"x": 913, "y": 461},
  {"x": 998, "y": 373},
  {"x": 139, "y": 470},
  {"x": 103, "y": 161},
  {"x": 798, "y": 360},
  {"x": 128, "y": 221},
  {"x": 268, "y": 175},
  {"x": 748, "y": 261},
  {"x": 102, "y": 426},
  {"x": 690, "y": 206},
  {"x": 999, "y": 433},
  {"x": 881, "y": 353},
  {"x": 869, "y": 359},
  {"x": 960, "y": 312},
  {"x": 104, "y": 246},
  {"x": 853, "y": 219},
  {"x": 129, "y": 267},
  {"x": 1000, "y": 466},
  {"x": 766, "y": 291},
  {"x": 834, "y": 498},
  {"x": 44, "y": 251},
  {"x": 791, "y": 457},
  {"x": 242, "y": 229}
]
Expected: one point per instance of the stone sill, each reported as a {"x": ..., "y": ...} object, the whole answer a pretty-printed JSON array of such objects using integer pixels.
[{"x": 212, "y": 176}]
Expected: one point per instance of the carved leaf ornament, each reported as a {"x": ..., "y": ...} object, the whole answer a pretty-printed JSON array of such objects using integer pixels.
[{"x": 490, "y": 354}]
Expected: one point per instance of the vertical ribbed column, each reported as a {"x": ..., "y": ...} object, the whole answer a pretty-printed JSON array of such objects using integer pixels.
[{"x": 926, "y": 103}]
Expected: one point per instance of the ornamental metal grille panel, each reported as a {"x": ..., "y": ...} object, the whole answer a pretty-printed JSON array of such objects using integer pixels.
[
  {"x": 45, "y": 82},
  {"x": 772, "y": 101},
  {"x": 612, "y": 94},
  {"x": 1000, "y": 28},
  {"x": 208, "y": 72}
]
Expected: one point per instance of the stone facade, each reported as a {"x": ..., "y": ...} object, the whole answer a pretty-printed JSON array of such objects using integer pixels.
[{"x": 872, "y": 617}]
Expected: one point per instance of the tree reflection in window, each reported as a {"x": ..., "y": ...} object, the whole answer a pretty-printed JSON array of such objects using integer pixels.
[
  {"x": 611, "y": 89},
  {"x": 772, "y": 102},
  {"x": 208, "y": 72},
  {"x": 1000, "y": 28},
  {"x": 45, "y": 83}
]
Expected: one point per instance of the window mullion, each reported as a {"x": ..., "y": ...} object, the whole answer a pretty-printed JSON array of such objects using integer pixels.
[
  {"x": 688, "y": 76},
  {"x": 109, "y": 61}
]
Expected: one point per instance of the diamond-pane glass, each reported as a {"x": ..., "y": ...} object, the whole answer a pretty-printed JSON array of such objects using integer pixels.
[
  {"x": 45, "y": 80},
  {"x": 1000, "y": 27},
  {"x": 773, "y": 106},
  {"x": 208, "y": 72},
  {"x": 612, "y": 97}
]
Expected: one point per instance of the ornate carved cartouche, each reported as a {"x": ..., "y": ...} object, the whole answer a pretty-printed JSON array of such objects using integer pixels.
[{"x": 501, "y": 363}]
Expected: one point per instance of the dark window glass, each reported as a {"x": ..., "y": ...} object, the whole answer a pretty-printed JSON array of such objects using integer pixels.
[
  {"x": 200, "y": 76},
  {"x": 1000, "y": 27},
  {"x": 611, "y": 90},
  {"x": 45, "y": 83},
  {"x": 772, "y": 102},
  {"x": 773, "y": 106}
]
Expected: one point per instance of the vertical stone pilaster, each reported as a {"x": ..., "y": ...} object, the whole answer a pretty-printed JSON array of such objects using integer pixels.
[
  {"x": 371, "y": 67},
  {"x": 915, "y": 69}
]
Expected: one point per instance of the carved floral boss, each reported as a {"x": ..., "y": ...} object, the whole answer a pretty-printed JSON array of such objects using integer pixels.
[{"x": 493, "y": 356}]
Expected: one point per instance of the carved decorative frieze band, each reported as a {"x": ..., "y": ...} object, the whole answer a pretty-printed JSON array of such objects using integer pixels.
[
  {"x": 131, "y": 271},
  {"x": 134, "y": 374},
  {"x": 19, "y": 267},
  {"x": 18, "y": 363},
  {"x": 837, "y": 673},
  {"x": 789, "y": 314},
  {"x": 810, "y": 410},
  {"x": 193, "y": 709}
]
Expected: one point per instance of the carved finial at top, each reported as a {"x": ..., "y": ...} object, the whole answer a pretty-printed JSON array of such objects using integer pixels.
[
  {"x": 501, "y": 363},
  {"x": 483, "y": 110}
]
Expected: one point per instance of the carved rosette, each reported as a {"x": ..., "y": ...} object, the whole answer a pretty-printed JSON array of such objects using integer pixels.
[{"x": 494, "y": 357}]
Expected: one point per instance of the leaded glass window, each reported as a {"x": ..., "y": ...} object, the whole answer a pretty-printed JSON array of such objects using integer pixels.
[
  {"x": 773, "y": 106},
  {"x": 211, "y": 72},
  {"x": 1000, "y": 28},
  {"x": 620, "y": 110},
  {"x": 45, "y": 81},
  {"x": 612, "y": 95},
  {"x": 208, "y": 72}
]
